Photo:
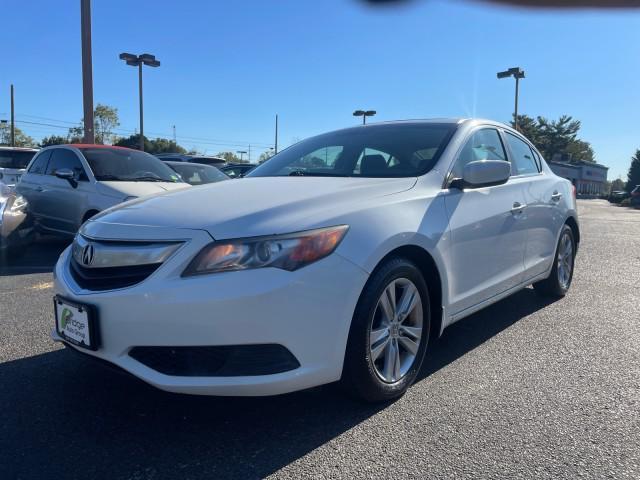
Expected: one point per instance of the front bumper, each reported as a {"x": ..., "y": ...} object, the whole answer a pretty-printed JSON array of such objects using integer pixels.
[{"x": 308, "y": 312}]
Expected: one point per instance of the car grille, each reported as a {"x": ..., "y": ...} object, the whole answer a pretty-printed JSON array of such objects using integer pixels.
[
  {"x": 109, "y": 278},
  {"x": 220, "y": 361}
]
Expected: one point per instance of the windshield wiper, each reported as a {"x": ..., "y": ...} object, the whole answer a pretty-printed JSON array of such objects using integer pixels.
[{"x": 148, "y": 178}]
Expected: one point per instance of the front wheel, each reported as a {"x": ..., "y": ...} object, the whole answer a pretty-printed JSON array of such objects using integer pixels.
[
  {"x": 559, "y": 281},
  {"x": 389, "y": 333}
]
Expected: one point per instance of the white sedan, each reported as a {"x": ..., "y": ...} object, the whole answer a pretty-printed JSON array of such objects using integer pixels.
[{"x": 336, "y": 260}]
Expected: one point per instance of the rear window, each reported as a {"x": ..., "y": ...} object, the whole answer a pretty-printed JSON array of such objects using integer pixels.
[{"x": 15, "y": 158}]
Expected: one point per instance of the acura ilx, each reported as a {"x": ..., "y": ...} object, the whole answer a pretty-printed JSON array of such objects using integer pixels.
[{"x": 336, "y": 260}]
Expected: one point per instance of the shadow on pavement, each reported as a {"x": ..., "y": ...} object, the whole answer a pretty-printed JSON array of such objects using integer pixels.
[
  {"x": 39, "y": 257},
  {"x": 64, "y": 416}
]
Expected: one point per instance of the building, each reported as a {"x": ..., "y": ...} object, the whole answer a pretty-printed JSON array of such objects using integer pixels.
[{"x": 589, "y": 178}]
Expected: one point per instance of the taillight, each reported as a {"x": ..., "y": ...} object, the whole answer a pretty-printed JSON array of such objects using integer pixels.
[{"x": 573, "y": 189}]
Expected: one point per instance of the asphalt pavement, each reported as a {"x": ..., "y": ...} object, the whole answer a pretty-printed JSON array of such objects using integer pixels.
[{"x": 527, "y": 388}]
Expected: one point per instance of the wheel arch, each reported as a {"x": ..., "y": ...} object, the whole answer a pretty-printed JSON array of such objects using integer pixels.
[
  {"x": 88, "y": 214},
  {"x": 573, "y": 224}
]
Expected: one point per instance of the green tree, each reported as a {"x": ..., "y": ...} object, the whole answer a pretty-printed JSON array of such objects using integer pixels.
[
  {"x": 159, "y": 145},
  {"x": 264, "y": 156},
  {"x": 617, "y": 185},
  {"x": 556, "y": 137},
  {"x": 230, "y": 157},
  {"x": 53, "y": 140},
  {"x": 21, "y": 138},
  {"x": 105, "y": 120},
  {"x": 633, "y": 177}
]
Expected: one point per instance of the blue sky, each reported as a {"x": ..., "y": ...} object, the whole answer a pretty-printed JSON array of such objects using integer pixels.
[{"x": 229, "y": 67}]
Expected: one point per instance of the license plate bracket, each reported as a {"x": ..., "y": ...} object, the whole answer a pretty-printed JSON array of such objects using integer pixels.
[{"x": 76, "y": 323}]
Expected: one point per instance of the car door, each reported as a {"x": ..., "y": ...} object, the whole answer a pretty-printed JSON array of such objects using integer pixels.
[
  {"x": 487, "y": 241},
  {"x": 30, "y": 184},
  {"x": 542, "y": 195},
  {"x": 62, "y": 203}
]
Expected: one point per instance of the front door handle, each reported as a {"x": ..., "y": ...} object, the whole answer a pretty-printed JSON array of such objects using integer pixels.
[
  {"x": 556, "y": 196},
  {"x": 39, "y": 189},
  {"x": 517, "y": 208}
]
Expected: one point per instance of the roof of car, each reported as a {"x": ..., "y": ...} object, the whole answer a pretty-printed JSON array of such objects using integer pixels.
[{"x": 20, "y": 149}]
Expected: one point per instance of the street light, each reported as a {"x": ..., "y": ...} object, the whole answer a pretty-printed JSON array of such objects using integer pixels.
[
  {"x": 138, "y": 61},
  {"x": 364, "y": 114},
  {"x": 517, "y": 73},
  {"x": 242, "y": 153}
]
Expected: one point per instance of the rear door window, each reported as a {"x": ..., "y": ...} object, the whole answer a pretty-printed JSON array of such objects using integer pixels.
[{"x": 521, "y": 156}]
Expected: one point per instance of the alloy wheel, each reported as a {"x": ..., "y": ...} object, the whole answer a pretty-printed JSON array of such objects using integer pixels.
[
  {"x": 565, "y": 260},
  {"x": 396, "y": 330}
]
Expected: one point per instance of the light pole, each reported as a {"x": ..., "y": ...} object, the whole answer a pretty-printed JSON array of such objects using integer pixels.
[
  {"x": 87, "y": 71},
  {"x": 364, "y": 114},
  {"x": 138, "y": 61},
  {"x": 517, "y": 73},
  {"x": 242, "y": 153}
]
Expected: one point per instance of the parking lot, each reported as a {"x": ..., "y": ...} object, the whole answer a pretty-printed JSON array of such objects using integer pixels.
[{"x": 526, "y": 388}]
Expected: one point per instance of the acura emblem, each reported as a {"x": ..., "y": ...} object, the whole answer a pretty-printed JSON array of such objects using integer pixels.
[{"x": 87, "y": 255}]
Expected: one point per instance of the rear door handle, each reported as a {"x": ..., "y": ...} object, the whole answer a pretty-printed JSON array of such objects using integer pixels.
[
  {"x": 518, "y": 208},
  {"x": 556, "y": 196}
]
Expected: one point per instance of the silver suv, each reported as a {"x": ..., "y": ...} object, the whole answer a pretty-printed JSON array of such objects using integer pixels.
[{"x": 67, "y": 184}]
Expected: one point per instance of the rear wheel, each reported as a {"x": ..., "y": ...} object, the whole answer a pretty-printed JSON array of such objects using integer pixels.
[
  {"x": 559, "y": 281},
  {"x": 389, "y": 333}
]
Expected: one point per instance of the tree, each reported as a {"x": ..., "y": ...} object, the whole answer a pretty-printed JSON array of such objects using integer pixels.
[
  {"x": 230, "y": 157},
  {"x": 264, "y": 156},
  {"x": 159, "y": 145},
  {"x": 21, "y": 138},
  {"x": 105, "y": 119},
  {"x": 617, "y": 185},
  {"x": 556, "y": 137},
  {"x": 53, "y": 140},
  {"x": 633, "y": 177}
]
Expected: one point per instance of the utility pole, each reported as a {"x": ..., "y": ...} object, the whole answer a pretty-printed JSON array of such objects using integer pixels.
[
  {"x": 13, "y": 121},
  {"x": 249, "y": 153},
  {"x": 174, "y": 135},
  {"x": 140, "y": 98},
  {"x": 87, "y": 70},
  {"x": 276, "y": 149}
]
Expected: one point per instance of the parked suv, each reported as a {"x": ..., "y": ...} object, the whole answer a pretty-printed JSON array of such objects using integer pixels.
[
  {"x": 13, "y": 162},
  {"x": 67, "y": 184}
]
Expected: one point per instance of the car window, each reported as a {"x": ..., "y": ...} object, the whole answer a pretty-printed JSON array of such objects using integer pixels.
[
  {"x": 39, "y": 165},
  {"x": 521, "y": 156},
  {"x": 17, "y": 159},
  {"x": 484, "y": 144},
  {"x": 66, "y": 159},
  {"x": 376, "y": 151}
]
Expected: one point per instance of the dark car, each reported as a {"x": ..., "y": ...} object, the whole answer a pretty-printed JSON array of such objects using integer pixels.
[
  {"x": 181, "y": 157},
  {"x": 237, "y": 170},
  {"x": 197, "y": 173},
  {"x": 617, "y": 196}
]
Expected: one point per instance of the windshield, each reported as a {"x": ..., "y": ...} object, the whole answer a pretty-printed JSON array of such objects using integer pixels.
[
  {"x": 196, "y": 174},
  {"x": 392, "y": 150},
  {"x": 127, "y": 165},
  {"x": 15, "y": 158}
]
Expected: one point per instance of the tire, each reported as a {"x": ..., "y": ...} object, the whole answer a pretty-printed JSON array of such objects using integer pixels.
[
  {"x": 367, "y": 373},
  {"x": 558, "y": 283}
]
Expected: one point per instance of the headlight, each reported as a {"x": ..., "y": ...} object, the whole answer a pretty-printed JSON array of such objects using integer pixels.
[
  {"x": 288, "y": 252},
  {"x": 19, "y": 203}
]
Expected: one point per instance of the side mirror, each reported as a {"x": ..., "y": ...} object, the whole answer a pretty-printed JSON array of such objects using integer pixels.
[
  {"x": 483, "y": 173},
  {"x": 68, "y": 175}
]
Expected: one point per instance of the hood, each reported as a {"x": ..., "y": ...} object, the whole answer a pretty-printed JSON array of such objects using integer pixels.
[
  {"x": 256, "y": 205},
  {"x": 138, "y": 189}
]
